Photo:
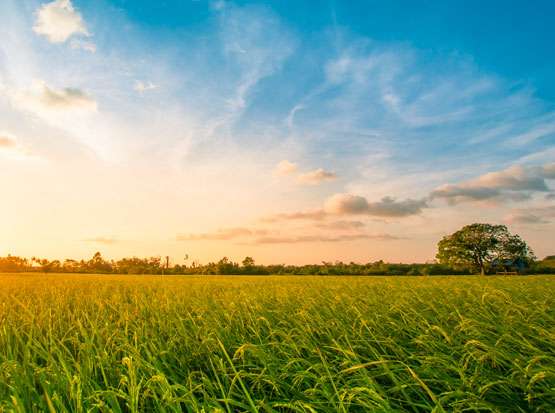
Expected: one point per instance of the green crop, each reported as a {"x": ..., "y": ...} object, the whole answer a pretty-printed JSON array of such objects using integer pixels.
[{"x": 286, "y": 344}]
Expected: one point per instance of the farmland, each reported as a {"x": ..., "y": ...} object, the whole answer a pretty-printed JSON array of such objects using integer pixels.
[{"x": 269, "y": 343}]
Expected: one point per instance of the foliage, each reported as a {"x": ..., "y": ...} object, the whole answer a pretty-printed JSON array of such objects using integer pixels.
[
  {"x": 14, "y": 264},
  {"x": 46, "y": 265},
  {"x": 225, "y": 266},
  {"x": 477, "y": 245},
  {"x": 305, "y": 344}
]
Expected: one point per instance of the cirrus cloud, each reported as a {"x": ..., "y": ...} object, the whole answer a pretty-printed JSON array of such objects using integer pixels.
[
  {"x": 322, "y": 238},
  {"x": 312, "y": 214},
  {"x": 222, "y": 234},
  {"x": 284, "y": 168}
]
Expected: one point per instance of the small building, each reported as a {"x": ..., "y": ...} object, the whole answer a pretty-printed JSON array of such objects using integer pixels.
[{"x": 510, "y": 266}]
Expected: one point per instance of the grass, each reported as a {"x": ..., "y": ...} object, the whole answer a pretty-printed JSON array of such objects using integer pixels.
[{"x": 292, "y": 344}]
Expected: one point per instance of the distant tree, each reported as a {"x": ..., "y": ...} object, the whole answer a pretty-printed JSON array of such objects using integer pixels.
[
  {"x": 13, "y": 264},
  {"x": 248, "y": 262},
  {"x": 226, "y": 267},
  {"x": 476, "y": 245},
  {"x": 98, "y": 264},
  {"x": 46, "y": 265},
  {"x": 70, "y": 265}
]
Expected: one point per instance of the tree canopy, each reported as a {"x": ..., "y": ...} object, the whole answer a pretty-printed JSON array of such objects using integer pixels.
[{"x": 477, "y": 245}]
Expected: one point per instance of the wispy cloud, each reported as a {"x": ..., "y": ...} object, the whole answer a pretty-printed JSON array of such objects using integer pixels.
[
  {"x": 546, "y": 171},
  {"x": 42, "y": 97},
  {"x": 284, "y": 168},
  {"x": 524, "y": 217},
  {"x": 246, "y": 236},
  {"x": 291, "y": 115},
  {"x": 322, "y": 238},
  {"x": 12, "y": 148},
  {"x": 258, "y": 42},
  {"x": 347, "y": 204},
  {"x": 58, "y": 21},
  {"x": 221, "y": 234},
  {"x": 340, "y": 225},
  {"x": 530, "y": 136},
  {"x": 312, "y": 214},
  {"x": 530, "y": 215},
  {"x": 6, "y": 141},
  {"x": 316, "y": 177},
  {"x": 103, "y": 240},
  {"x": 81, "y": 44},
  {"x": 140, "y": 86}
]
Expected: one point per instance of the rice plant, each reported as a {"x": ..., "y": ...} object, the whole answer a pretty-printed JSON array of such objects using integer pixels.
[{"x": 287, "y": 344}]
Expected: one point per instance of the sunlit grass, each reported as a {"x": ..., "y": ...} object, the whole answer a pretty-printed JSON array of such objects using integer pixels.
[{"x": 136, "y": 343}]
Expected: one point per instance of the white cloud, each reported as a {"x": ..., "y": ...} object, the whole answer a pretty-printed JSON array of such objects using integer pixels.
[
  {"x": 516, "y": 183},
  {"x": 346, "y": 204},
  {"x": 514, "y": 178},
  {"x": 59, "y": 21},
  {"x": 315, "y": 177},
  {"x": 42, "y": 97},
  {"x": 140, "y": 86},
  {"x": 285, "y": 168}
]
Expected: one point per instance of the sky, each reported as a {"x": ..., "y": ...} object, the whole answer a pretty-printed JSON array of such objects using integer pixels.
[{"x": 289, "y": 131}]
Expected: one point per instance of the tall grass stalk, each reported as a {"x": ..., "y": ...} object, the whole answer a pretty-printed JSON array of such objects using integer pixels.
[{"x": 287, "y": 344}]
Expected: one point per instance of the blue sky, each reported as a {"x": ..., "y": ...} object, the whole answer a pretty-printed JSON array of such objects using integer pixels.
[
  {"x": 511, "y": 38},
  {"x": 359, "y": 130}
]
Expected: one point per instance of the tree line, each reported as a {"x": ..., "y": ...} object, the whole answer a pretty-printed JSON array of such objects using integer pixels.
[
  {"x": 476, "y": 248},
  {"x": 156, "y": 265}
]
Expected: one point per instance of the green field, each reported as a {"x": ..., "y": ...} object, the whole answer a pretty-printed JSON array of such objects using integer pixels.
[{"x": 307, "y": 344}]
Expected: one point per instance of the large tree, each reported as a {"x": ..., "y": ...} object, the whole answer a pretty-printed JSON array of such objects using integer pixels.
[{"x": 478, "y": 244}]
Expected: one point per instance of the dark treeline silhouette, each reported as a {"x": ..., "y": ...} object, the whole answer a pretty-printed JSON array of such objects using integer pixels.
[{"x": 155, "y": 265}]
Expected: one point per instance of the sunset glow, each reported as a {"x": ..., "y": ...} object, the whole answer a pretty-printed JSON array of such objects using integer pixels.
[{"x": 291, "y": 132}]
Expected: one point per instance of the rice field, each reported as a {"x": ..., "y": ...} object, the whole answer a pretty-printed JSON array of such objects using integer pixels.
[{"x": 287, "y": 344}]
